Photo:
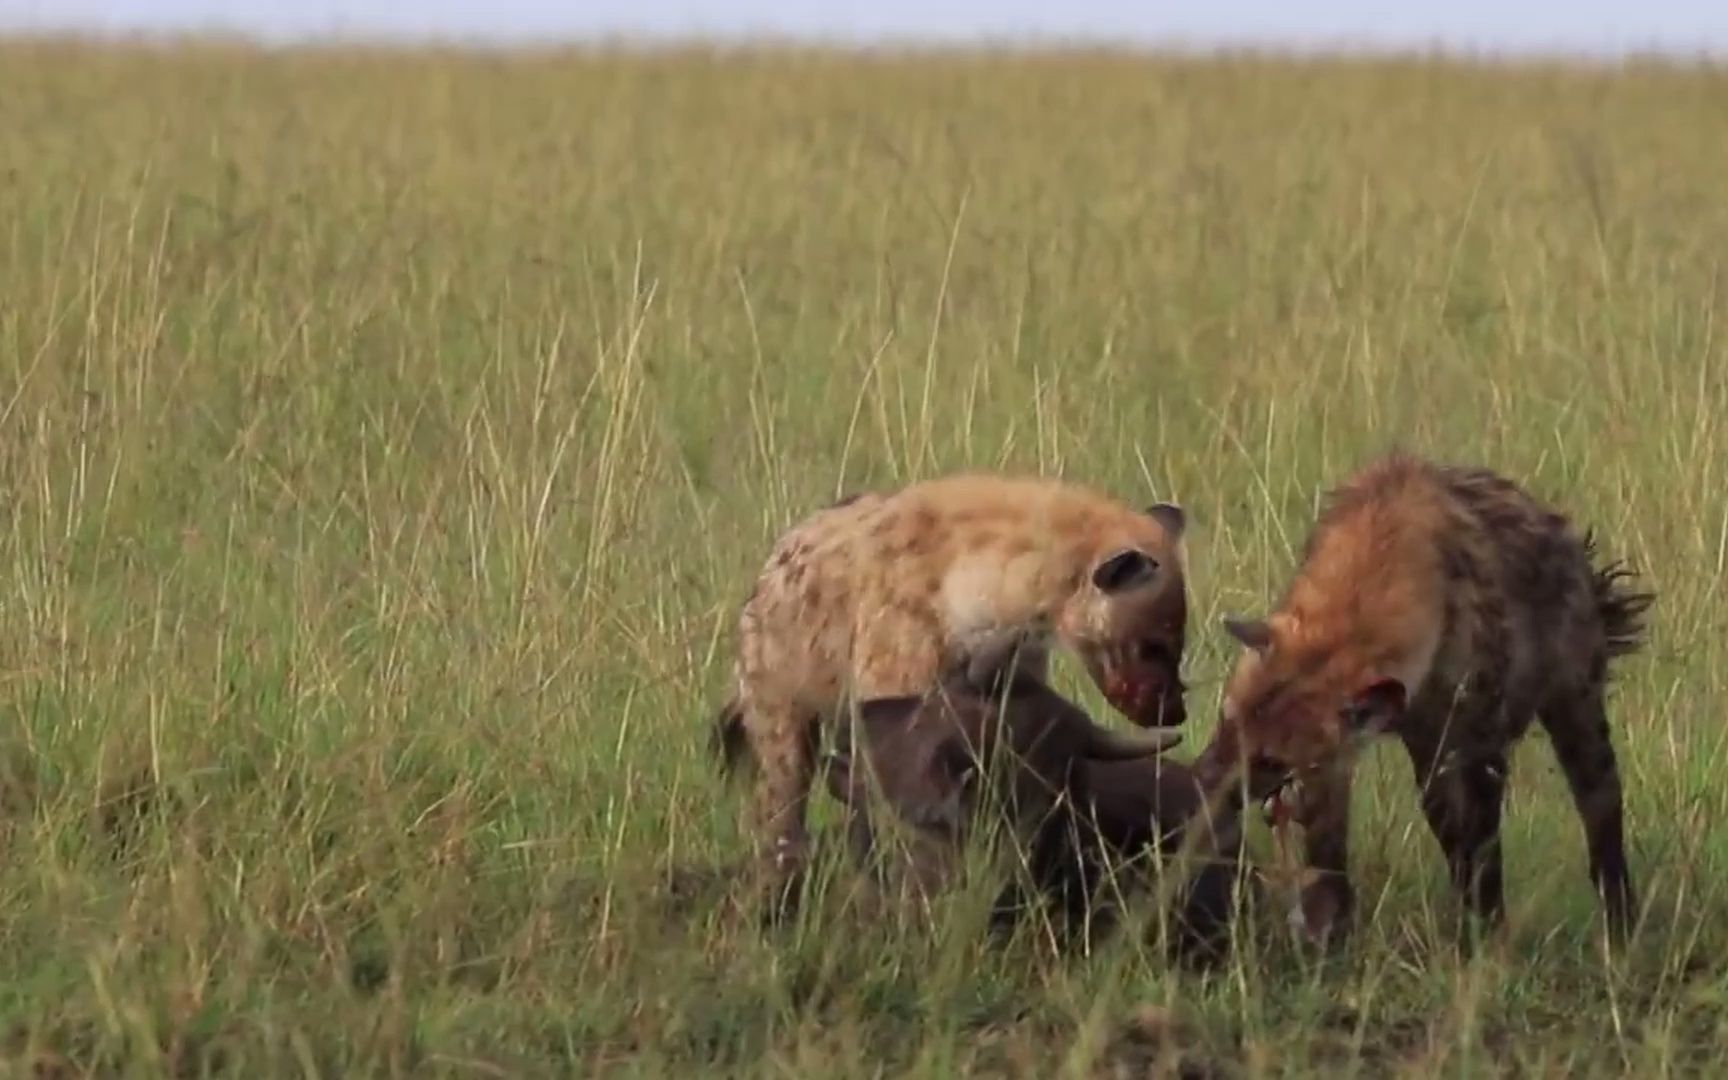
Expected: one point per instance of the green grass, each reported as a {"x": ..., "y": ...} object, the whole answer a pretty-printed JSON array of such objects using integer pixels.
[{"x": 386, "y": 442}]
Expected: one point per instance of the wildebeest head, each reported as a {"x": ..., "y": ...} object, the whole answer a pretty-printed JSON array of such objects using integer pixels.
[{"x": 929, "y": 755}]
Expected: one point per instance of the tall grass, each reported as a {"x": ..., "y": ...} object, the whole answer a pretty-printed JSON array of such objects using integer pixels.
[{"x": 387, "y": 440}]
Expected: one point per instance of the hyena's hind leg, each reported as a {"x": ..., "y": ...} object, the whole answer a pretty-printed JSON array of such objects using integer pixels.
[
  {"x": 782, "y": 739},
  {"x": 1577, "y": 726}
]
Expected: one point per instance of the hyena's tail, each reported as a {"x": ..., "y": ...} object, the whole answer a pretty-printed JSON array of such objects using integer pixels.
[
  {"x": 1621, "y": 607},
  {"x": 728, "y": 741}
]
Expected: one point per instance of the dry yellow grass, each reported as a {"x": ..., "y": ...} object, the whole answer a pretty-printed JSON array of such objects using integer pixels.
[{"x": 387, "y": 439}]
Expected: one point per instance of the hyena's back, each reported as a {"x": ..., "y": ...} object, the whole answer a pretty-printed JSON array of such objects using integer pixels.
[
  {"x": 945, "y": 562},
  {"x": 1523, "y": 588}
]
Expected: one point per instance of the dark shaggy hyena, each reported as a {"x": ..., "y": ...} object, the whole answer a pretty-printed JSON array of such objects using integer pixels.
[
  {"x": 1084, "y": 803},
  {"x": 1447, "y": 606}
]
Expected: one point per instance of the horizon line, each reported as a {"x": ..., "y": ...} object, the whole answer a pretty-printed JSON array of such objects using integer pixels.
[{"x": 1320, "y": 47}]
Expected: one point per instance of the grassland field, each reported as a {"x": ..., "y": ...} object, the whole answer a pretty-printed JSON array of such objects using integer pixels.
[{"x": 388, "y": 438}]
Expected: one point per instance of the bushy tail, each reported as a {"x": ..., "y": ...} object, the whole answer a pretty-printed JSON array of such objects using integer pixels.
[
  {"x": 728, "y": 741},
  {"x": 1621, "y": 608}
]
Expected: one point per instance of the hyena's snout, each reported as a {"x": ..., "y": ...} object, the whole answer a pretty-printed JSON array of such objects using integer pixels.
[{"x": 1143, "y": 681}]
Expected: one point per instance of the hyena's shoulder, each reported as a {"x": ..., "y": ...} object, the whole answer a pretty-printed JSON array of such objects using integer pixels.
[
  {"x": 936, "y": 522},
  {"x": 990, "y": 553},
  {"x": 1461, "y": 547},
  {"x": 1021, "y": 537},
  {"x": 1068, "y": 522},
  {"x": 1403, "y": 517},
  {"x": 862, "y": 529},
  {"x": 1372, "y": 586}
]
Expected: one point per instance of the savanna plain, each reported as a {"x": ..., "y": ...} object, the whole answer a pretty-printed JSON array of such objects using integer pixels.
[{"x": 387, "y": 440}]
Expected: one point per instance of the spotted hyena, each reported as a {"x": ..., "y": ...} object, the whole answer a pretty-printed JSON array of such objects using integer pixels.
[
  {"x": 872, "y": 597},
  {"x": 1448, "y": 607},
  {"x": 1088, "y": 808}
]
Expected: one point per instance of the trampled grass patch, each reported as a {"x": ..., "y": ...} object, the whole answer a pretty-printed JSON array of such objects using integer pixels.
[{"x": 387, "y": 441}]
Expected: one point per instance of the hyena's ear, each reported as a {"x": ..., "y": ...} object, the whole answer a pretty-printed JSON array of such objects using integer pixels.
[
  {"x": 1124, "y": 570},
  {"x": 1256, "y": 634},
  {"x": 1377, "y": 706},
  {"x": 1172, "y": 517}
]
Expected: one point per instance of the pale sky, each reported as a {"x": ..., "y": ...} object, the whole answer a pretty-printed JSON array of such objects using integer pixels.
[{"x": 1593, "y": 26}]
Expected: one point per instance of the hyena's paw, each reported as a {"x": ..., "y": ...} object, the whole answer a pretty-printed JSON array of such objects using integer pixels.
[{"x": 781, "y": 874}]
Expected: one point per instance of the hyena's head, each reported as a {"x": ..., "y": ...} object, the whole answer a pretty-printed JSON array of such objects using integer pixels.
[
  {"x": 1128, "y": 620},
  {"x": 1294, "y": 703}
]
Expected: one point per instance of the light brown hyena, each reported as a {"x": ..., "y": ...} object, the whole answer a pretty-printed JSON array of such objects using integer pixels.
[
  {"x": 875, "y": 596},
  {"x": 1448, "y": 607}
]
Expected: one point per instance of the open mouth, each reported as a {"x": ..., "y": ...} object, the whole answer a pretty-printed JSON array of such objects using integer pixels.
[
  {"x": 1277, "y": 788},
  {"x": 1148, "y": 702},
  {"x": 1281, "y": 806},
  {"x": 1143, "y": 683}
]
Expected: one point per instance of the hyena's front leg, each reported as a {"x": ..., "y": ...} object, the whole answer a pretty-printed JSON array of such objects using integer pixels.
[
  {"x": 1327, "y": 901},
  {"x": 1578, "y": 730},
  {"x": 782, "y": 743},
  {"x": 1463, "y": 792}
]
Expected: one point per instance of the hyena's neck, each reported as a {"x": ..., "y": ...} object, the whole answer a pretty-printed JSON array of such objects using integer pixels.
[
  {"x": 993, "y": 591},
  {"x": 1388, "y": 614}
]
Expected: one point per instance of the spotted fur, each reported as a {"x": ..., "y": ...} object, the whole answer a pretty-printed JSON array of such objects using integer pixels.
[{"x": 874, "y": 596}]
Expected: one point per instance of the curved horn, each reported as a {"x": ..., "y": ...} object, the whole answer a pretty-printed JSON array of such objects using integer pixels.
[{"x": 1107, "y": 744}]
